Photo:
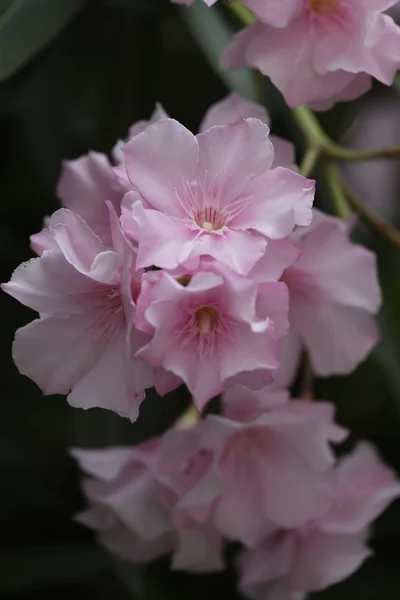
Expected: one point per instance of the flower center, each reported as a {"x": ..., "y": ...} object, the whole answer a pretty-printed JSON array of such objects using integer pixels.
[
  {"x": 324, "y": 7},
  {"x": 210, "y": 219},
  {"x": 206, "y": 320},
  {"x": 114, "y": 301}
]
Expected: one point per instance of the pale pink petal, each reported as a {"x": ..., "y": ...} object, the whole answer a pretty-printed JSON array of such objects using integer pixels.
[
  {"x": 349, "y": 335},
  {"x": 358, "y": 86},
  {"x": 82, "y": 248},
  {"x": 273, "y": 303},
  {"x": 44, "y": 240},
  {"x": 240, "y": 512},
  {"x": 285, "y": 55},
  {"x": 105, "y": 465},
  {"x": 322, "y": 560},
  {"x": 231, "y": 109},
  {"x": 366, "y": 486},
  {"x": 341, "y": 271},
  {"x": 277, "y": 13},
  {"x": 50, "y": 285},
  {"x": 124, "y": 543},
  {"x": 164, "y": 241},
  {"x": 128, "y": 224},
  {"x": 159, "y": 160},
  {"x": 248, "y": 351},
  {"x": 289, "y": 354},
  {"x": 239, "y": 250},
  {"x": 284, "y": 153},
  {"x": 165, "y": 382},
  {"x": 244, "y": 405},
  {"x": 278, "y": 256},
  {"x": 115, "y": 382},
  {"x": 85, "y": 185},
  {"x": 232, "y": 155},
  {"x": 269, "y": 561},
  {"x": 57, "y": 367},
  {"x": 280, "y": 199},
  {"x": 199, "y": 550}
]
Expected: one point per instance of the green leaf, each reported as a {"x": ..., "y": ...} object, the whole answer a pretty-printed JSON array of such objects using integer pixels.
[
  {"x": 213, "y": 33},
  {"x": 27, "y": 26}
]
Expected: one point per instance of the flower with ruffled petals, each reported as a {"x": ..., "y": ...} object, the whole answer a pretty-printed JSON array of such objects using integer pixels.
[
  {"x": 212, "y": 194},
  {"x": 85, "y": 186},
  {"x": 274, "y": 462},
  {"x": 330, "y": 547},
  {"x": 211, "y": 327},
  {"x": 85, "y": 295},
  {"x": 319, "y": 51},
  {"x": 135, "y": 501},
  {"x": 334, "y": 293}
]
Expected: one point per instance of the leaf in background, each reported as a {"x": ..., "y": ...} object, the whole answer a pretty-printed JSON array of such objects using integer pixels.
[
  {"x": 213, "y": 33},
  {"x": 36, "y": 567},
  {"x": 26, "y": 26},
  {"x": 396, "y": 83}
]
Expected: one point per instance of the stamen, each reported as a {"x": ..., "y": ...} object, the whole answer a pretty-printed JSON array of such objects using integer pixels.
[
  {"x": 206, "y": 320},
  {"x": 324, "y": 7}
]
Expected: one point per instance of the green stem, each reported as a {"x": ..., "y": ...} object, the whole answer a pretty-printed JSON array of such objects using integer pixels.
[
  {"x": 371, "y": 219},
  {"x": 243, "y": 13},
  {"x": 310, "y": 160},
  {"x": 310, "y": 127},
  {"x": 339, "y": 199},
  {"x": 342, "y": 153}
]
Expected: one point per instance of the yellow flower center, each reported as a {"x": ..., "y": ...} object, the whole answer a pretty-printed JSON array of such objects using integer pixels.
[
  {"x": 324, "y": 7},
  {"x": 206, "y": 319}
]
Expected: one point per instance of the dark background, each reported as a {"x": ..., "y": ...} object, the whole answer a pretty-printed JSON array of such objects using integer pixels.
[{"x": 105, "y": 70}]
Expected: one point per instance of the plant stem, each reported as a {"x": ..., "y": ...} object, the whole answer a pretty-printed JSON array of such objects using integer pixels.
[
  {"x": 371, "y": 219},
  {"x": 317, "y": 137},
  {"x": 342, "y": 153},
  {"x": 309, "y": 161},
  {"x": 243, "y": 13},
  {"x": 310, "y": 127},
  {"x": 339, "y": 199}
]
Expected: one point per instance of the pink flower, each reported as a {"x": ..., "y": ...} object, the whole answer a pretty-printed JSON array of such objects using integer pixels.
[
  {"x": 138, "y": 127},
  {"x": 334, "y": 293},
  {"x": 136, "y": 498},
  {"x": 319, "y": 51},
  {"x": 329, "y": 547},
  {"x": 212, "y": 327},
  {"x": 85, "y": 185},
  {"x": 233, "y": 108},
  {"x": 201, "y": 200},
  {"x": 273, "y": 463},
  {"x": 85, "y": 295}
]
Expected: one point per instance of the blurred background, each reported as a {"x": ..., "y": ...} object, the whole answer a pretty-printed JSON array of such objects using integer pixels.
[{"x": 74, "y": 75}]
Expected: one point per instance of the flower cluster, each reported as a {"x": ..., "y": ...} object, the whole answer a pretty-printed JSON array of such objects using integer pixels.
[
  {"x": 318, "y": 52},
  {"x": 262, "y": 474},
  {"x": 185, "y": 262},
  {"x": 198, "y": 259}
]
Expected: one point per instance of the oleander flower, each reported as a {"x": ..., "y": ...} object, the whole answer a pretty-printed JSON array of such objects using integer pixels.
[
  {"x": 213, "y": 194},
  {"x": 211, "y": 327},
  {"x": 330, "y": 547},
  {"x": 136, "y": 501},
  {"x": 334, "y": 295},
  {"x": 318, "y": 52},
  {"x": 85, "y": 295},
  {"x": 274, "y": 460}
]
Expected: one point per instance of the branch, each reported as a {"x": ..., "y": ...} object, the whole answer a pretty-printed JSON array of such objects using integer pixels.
[
  {"x": 309, "y": 161},
  {"x": 371, "y": 219},
  {"x": 339, "y": 199}
]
